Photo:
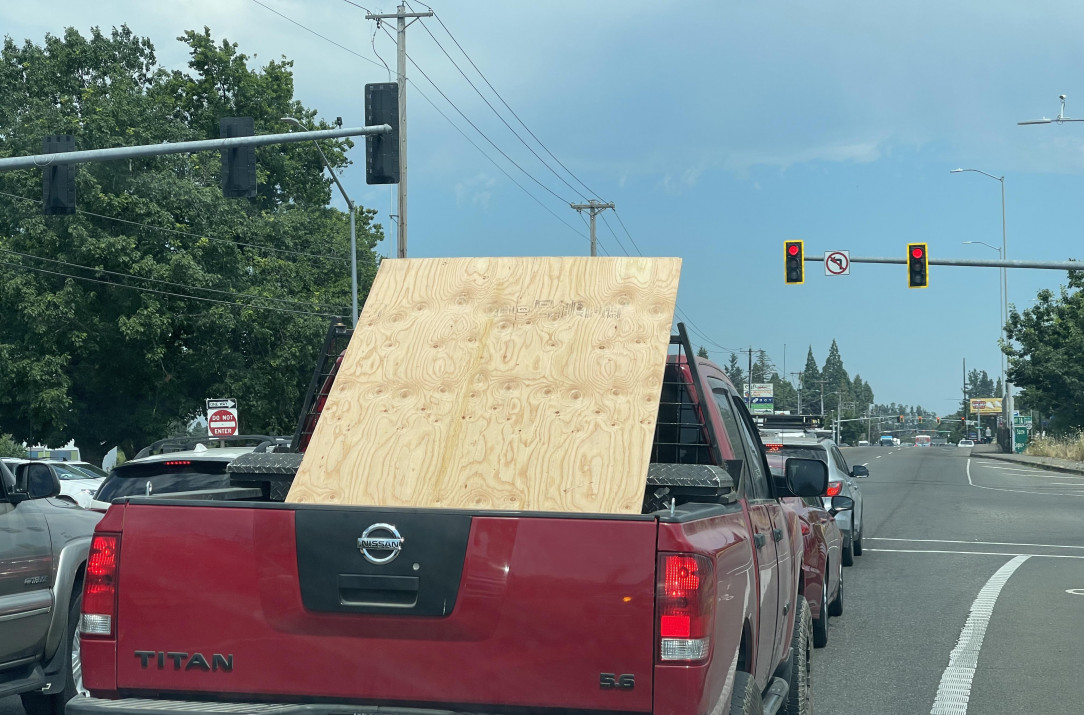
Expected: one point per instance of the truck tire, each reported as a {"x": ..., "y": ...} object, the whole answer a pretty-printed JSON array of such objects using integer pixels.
[
  {"x": 820, "y": 625},
  {"x": 800, "y": 695},
  {"x": 848, "y": 552},
  {"x": 836, "y": 607},
  {"x": 42, "y": 704},
  {"x": 746, "y": 697}
]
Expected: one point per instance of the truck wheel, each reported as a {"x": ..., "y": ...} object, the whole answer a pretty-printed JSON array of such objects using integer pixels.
[
  {"x": 836, "y": 607},
  {"x": 746, "y": 697},
  {"x": 848, "y": 552},
  {"x": 800, "y": 695},
  {"x": 820, "y": 625},
  {"x": 42, "y": 704}
]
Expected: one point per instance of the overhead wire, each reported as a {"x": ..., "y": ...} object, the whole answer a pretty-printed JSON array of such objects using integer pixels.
[
  {"x": 494, "y": 109},
  {"x": 167, "y": 293},
  {"x": 190, "y": 234},
  {"x": 189, "y": 286}
]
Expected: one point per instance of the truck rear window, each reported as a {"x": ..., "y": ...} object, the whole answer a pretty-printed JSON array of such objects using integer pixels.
[{"x": 132, "y": 480}]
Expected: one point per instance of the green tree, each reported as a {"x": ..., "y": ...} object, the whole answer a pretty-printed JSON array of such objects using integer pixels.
[
  {"x": 88, "y": 349},
  {"x": 1046, "y": 342},
  {"x": 811, "y": 385},
  {"x": 10, "y": 448},
  {"x": 735, "y": 373},
  {"x": 761, "y": 369},
  {"x": 702, "y": 352}
]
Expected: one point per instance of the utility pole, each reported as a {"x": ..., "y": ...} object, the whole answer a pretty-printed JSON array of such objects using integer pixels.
[
  {"x": 400, "y": 40},
  {"x": 594, "y": 207},
  {"x": 799, "y": 376}
]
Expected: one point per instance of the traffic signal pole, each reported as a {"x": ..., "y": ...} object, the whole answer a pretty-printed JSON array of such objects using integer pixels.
[{"x": 133, "y": 152}]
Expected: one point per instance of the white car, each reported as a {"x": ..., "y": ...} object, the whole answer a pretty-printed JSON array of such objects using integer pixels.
[
  {"x": 966, "y": 443},
  {"x": 79, "y": 481},
  {"x": 863, "y": 443}
]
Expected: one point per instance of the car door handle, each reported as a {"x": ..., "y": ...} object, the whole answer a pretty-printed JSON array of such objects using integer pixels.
[
  {"x": 759, "y": 539},
  {"x": 777, "y": 534}
]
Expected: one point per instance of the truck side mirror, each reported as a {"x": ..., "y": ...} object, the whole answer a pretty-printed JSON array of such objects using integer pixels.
[
  {"x": 806, "y": 477},
  {"x": 36, "y": 481}
]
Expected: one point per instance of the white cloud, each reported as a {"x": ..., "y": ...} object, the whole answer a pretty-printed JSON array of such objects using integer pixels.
[{"x": 475, "y": 191}]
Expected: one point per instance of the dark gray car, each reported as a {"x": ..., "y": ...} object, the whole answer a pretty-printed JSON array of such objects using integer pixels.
[{"x": 43, "y": 552}]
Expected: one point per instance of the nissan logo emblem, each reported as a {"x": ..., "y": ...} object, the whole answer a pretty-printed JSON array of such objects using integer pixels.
[{"x": 381, "y": 538}]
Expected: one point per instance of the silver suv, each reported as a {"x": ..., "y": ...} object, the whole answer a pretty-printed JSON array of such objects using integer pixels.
[{"x": 44, "y": 542}]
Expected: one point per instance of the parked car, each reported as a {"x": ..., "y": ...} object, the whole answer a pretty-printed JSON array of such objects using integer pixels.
[
  {"x": 966, "y": 443},
  {"x": 44, "y": 543},
  {"x": 79, "y": 481},
  {"x": 162, "y": 468},
  {"x": 842, "y": 480}
]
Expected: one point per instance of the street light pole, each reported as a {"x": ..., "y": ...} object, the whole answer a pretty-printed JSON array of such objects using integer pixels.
[
  {"x": 353, "y": 235},
  {"x": 1007, "y": 403}
]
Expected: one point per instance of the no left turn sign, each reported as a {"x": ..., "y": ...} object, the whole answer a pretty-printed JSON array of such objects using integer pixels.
[{"x": 837, "y": 263}]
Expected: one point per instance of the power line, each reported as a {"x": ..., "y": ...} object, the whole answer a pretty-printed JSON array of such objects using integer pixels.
[
  {"x": 322, "y": 37},
  {"x": 619, "y": 244},
  {"x": 480, "y": 132},
  {"x": 509, "y": 108},
  {"x": 189, "y": 234},
  {"x": 162, "y": 292},
  {"x": 171, "y": 283},
  {"x": 490, "y": 105},
  {"x": 627, "y": 233}
]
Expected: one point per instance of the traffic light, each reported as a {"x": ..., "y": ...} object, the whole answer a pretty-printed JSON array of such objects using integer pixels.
[
  {"x": 382, "y": 150},
  {"x": 58, "y": 180},
  {"x": 901, "y": 418},
  {"x": 793, "y": 257},
  {"x": 238, "y": 163},
  {"x": 917, "y": 266},
  {"x": 938, "y": 420},
  {"x": 920, "y": 419}
]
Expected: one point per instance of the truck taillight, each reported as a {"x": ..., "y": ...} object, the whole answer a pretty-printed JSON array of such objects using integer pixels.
[
  {"x": 834, "y": 489},
  {"x": 686, "y": 607},
  {"x": 100, "y": 587}
]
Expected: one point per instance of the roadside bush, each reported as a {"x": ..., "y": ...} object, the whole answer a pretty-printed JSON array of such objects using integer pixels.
[
  {"x": 10, "y": 448},
  {"x": 1067, "y": 447}
]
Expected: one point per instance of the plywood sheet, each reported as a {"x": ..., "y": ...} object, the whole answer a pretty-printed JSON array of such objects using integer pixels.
[{"x": 498, "y": 383}]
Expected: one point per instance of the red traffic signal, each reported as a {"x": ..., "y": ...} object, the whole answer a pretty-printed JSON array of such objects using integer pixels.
[
  {"x": 793, "y": 266},
  {"x": 917, "y": 266}
]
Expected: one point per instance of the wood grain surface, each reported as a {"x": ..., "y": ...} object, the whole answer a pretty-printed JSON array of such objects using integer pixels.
[{"x": 498, "y": 384}]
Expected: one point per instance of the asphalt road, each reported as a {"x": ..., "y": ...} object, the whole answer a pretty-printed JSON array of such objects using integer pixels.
[{"x": 940, "y": 527}]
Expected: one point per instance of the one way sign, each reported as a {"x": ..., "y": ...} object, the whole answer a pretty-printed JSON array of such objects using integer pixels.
[{"x": 226, "y": 403}]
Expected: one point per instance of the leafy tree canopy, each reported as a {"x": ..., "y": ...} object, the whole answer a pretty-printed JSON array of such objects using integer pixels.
[{"x": 121, "y": 319}]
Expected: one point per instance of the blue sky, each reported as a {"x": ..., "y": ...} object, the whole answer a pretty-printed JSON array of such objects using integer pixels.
[{"x": 719, "y": 129}]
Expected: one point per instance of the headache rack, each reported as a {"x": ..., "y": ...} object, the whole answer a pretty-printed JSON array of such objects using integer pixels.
[{"x": 686, "y": 463}]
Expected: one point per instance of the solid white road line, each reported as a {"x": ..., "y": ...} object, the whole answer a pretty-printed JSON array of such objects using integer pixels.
[
  {"x": 978, "y": 543},
  {"x": 1015, "y": 491},
  {"x": 1042, "y": 473},
  {"x": 955, "y": 689},
  {"x": 975, "y": 553}
]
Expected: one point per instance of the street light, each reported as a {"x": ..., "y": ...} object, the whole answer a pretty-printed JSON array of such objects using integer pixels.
[
  {"x": 353, "y": 235},
  {"x": 1007, "y": 406}
]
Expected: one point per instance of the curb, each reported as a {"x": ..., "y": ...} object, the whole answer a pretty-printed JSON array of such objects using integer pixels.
[{"x": 1054, "y": 465}]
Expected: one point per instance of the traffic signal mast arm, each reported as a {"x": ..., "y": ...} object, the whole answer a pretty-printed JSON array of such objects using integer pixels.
[
  {"x": 993, "y": 263},
  {"x": 131, "y": 152}
]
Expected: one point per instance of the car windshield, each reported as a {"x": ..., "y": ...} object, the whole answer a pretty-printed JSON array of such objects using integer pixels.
[{"x": 89, "y": 470}]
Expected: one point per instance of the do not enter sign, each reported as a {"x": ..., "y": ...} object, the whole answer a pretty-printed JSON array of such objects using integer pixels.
[{"x": 222, "y": 423}]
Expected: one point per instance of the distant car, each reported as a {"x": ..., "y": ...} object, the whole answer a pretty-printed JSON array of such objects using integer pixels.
[
  {"x": 842, "y": 480},
  {"x": 863, "y": 443},
  {"x": 79, "y": 481},
  {"x": 966, "y": 443},
  {"x": 197, "y": 468}
]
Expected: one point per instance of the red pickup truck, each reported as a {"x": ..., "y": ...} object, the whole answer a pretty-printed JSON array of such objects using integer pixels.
[{"x": 280, "y": 608}]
